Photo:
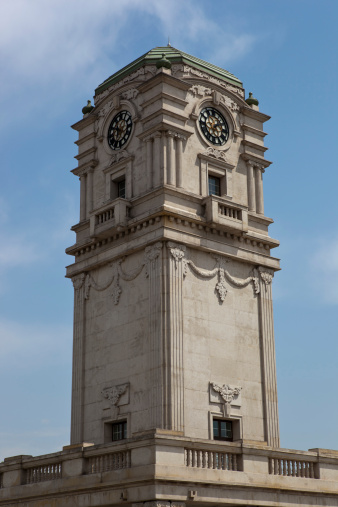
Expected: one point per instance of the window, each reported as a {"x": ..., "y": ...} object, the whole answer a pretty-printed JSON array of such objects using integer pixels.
[
  {"x": 119, "y": 431},
  {"x": 222, "y": 430},
  {"x": 121, "y": 189},
  {"x": 214, "y": 185}
]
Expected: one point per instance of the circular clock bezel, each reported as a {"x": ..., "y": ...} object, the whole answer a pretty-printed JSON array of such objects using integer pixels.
[
  {"x": 209, "y": 131},
  {"x": 116, "y": 124}
]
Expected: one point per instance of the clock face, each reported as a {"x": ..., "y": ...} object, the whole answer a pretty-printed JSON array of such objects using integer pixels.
[
  {"x": 119, "y": 130},
  {"x": 214, "y": 126}
]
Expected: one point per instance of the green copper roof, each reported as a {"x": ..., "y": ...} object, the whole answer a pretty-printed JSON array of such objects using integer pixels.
[{"x": 174, "y": 56}]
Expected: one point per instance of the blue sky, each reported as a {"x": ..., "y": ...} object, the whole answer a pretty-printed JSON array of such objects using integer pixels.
[{"x": 53, "y": 54}]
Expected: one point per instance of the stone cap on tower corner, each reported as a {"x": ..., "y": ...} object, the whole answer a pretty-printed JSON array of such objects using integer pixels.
[{"x": 174, "y": 56}]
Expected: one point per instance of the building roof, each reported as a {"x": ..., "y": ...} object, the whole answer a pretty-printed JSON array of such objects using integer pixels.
[{"x": 174, "y": 56}]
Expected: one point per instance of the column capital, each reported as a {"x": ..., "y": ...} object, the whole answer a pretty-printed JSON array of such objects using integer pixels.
[
  {"x": 78, "y": 281},
  {"x": 266, "y": 274}
]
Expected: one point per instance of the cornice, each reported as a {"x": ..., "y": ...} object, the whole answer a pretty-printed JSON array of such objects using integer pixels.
[
  {"x": 85, "y": 138},
  {"x": 86, "y": 153},
  {"x": 84, "y": 168},
  {"x": 256, "y": 115},
  {"x": 253, "y": 145},
  {"x": 249, "y": 128},
  {"x": 88, "y": 120},
  {"x": 256, "y": 159}
]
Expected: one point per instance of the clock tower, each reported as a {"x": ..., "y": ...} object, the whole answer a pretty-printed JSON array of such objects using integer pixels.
[
  {"x": 173, "y": 323},
  {"x": 174, "y": 398}
]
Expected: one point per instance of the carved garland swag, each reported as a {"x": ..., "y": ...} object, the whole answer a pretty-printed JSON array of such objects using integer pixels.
[{"x": 178, "y": 253}]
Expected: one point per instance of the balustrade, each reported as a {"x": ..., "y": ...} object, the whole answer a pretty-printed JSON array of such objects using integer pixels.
[
  {"x": 217, "y": 460},
  {"x": 105, "y": 216},
  {"x": 230, "y": 212},
  {"x": 291, "y": 468},
  {"x": 106, "y": 462},
  {"x": 43, "y": 473}
]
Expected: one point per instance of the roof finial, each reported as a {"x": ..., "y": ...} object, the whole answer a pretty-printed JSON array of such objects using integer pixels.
[{"x": 169, "y": 42}]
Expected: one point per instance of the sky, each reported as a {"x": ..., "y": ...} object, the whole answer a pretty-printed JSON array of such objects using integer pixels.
[{"x": 52, "y": 56}]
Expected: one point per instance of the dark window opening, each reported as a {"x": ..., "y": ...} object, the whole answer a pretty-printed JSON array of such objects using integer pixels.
[
  {"x": 222, "y": 430},
  {"x": 121, "y": 189},
  {"x": 119, "y": 431},
  {"x": 214, "y": 185}
]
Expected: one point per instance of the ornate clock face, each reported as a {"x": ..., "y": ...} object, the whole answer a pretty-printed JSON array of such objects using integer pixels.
[
  {"x": 119, "y": 130},
  {"x": 214, "y": 126}
]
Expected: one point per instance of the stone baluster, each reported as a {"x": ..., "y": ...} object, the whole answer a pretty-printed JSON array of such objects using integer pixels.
[
  {"x": 268, "y": 358},
  {"x": 251, "y": 186},
  {"x": 78, "y": 359},
  {"x": 259, "y": 190}
]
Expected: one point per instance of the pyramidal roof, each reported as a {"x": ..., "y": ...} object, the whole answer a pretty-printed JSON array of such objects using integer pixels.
[{"x": 174, "y": 56}]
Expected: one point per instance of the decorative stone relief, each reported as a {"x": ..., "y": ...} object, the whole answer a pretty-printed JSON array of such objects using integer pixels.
[
  {"x": 150, "y": 254},
  {"x": 132, "y": 93},
  {"x": 140, "y": 74},
  {"x": 117, "y": 396},
  {"x": 229, "y": 395},
  {"x": 78, "y": 281},
  {"x": 233, "y": 106},
  {"x": 187, "y": 71},
  {"x": 178, "y": 252},
  {"x": 118, "y": 156},
  {"x": 212, "y": 152},
  {"x": 266, "y": 275},
  {"x": 200, "y": 90}
]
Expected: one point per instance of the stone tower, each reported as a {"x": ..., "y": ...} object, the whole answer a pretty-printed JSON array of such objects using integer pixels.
[
  {"x": 173, "y": 323},
  {"x": 174, "y": 397}
]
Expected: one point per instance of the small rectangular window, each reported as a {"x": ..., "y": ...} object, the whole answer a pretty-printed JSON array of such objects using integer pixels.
[
  {"x": 121, "y": 189},
  {"x": 222, "y": 430},
  {"x": 214, "y": 185},
  {"x": 119, "y": 431}
]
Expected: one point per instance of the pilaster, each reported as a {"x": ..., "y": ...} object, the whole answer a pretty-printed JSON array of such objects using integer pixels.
[
  {"x": 268, "y": 357},
  {"x": 174, "y": 338},
  {"x": 78, "y": 359}
]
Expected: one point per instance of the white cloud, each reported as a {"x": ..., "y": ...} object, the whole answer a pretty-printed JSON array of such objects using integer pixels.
[{"x": 61, "y": 46}]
